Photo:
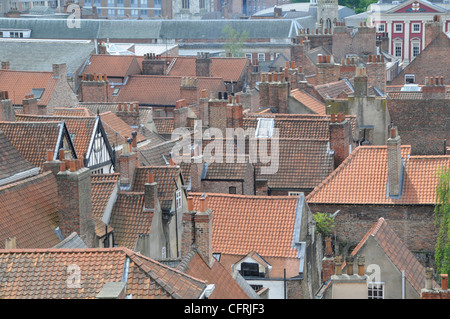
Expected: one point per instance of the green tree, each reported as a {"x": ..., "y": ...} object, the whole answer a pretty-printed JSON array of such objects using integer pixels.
[
  {"x": 442, "y": 220},
  {"x": 234, "y": 41},
  {"x": 324, "y": 223}
]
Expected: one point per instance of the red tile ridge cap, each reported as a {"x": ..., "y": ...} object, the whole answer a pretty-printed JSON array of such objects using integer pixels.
[{"x": 244, "y": 196}]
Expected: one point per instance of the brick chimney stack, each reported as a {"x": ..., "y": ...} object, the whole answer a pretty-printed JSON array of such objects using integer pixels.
[
  {"x": 128, "y": 161},
  {"x": 328, "y": 261},
  {"x": 94, "y": 88},
  {"x": 188, "y": 235},
  {"x": 59, "y": 70},
  {"x": 151, "y": 201},
  {"x": 434, "y": 88},
  {"x": 7, "y": 111},
  {"x": 394, "y": 162},
  {"x": 189, "y": 90},
  {"x": 360, "y": 82},
  {"x": 432, "y": 29},
  {"x": 203, "y": 230},
  {"x": 203, "y": 64},
  {"x": 253, "y": 73},
  {"x": 75, "y": 208},
  {"x": 274, "y": 91},
  {"x": 339, "y": 137},
  {"x": 180, "y": 113},
  {"x": 153, "y": 64},
  {"x": 435, "y": 293},
  {"x": 376, "y": 72},
  {"x": 30, "y": 106},
  {"x": 327, "y": 70}
]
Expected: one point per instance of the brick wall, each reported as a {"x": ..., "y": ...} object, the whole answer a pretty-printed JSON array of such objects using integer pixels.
[
  {"x": 363, "y": 42},
  {"x": 94, "y": 89},
  {"x": 203, "y": 65},
  {"x": 153, "y": 65},
  {"x": 423, "y": 124},
  {"x": 327, "y": 71},
  {"x": 413, "y": 224}
]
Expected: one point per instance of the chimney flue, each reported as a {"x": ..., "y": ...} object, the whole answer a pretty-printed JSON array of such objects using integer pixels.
[
  {"x": 338, "y": 266},
  {"x": 349, "y": 261}
]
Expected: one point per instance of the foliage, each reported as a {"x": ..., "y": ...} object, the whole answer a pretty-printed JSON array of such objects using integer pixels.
[
  {"x": 442, "y": 220},
  {"x": 357, "y": 5},
  {"x": 234, "y": 41},
  {"x": 324, "y": 223}
]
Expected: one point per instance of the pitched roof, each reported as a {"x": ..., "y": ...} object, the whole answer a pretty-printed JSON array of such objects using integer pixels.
[
  {"x": 162, "y": 90},
  {"x": 33, "y": 139},
  {"x": 117, "y": 129},
  {"x": 225, "y": 171},
  {"x": 226, "y": 286},
  {"x": 362, "y": 179},
  {"x": 129, "y": 219},
  {"x": 102, "y": 186},
  {"x": 29, "y": 212},
  {"x": 242, "y": 224},
  {"x": 20, "y": 83},
  {"x": 112, "y": 65},
  {"x": 309, "y": 101},
  {"x": 396, "y": 251},
  {"x": 11, "y": 162},
  {"x": 80, "y": 127},
  {"x": 333, "y": 89},
  {"x": 226, "y": 67},
  {"x": 70, "y": 111},
  {"x": 164, "y": 125},
  {"x": 145, "y": 278},
  {"x": 166, "y": 178},
  {"x": 145, "y": 113}
]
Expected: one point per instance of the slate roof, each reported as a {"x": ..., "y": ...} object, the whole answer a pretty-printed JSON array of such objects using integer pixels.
[
  {"x": 162, "y": 90},
  {"x": 150, "y": 29},
  {"x": 242, "y": 224},
  {"x": 33, "y": 139},
  {"x": 309, "y": 101},
  {"x": 11, "y": 162},
  {"x": 20, "y": 83},
  {"x": 41, "y": 274},
  {"x": 400, "y": 256},
  {"x": 29, "y": 212},
  {"x": 71, "y": 241},
  {"x": 362, "y": 179},
  {"x": 40, "y": 55}
]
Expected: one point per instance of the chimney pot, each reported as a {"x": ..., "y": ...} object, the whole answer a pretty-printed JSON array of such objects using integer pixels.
[
  {"x": 72, "y": 166},
  {"x": 338, "y": 265},
  {"x": 151, "y": 178},
  {"x": 349, "y": 261},
  {"x": 190, "y": 201},
  {"x": 49, "y": 155},
  {"x": 361, "y": 261},
  {"x": 444, "y": 284},
  {"x": 203, "y": 203}
]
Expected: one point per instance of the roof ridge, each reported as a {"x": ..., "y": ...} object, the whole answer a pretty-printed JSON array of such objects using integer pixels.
[
  {"x": 244, "y": 196},
  {"x": 25, "y": 181}
]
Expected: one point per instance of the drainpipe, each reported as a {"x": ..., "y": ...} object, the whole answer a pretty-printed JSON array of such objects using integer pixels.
[{"x": 403, "y": 284}]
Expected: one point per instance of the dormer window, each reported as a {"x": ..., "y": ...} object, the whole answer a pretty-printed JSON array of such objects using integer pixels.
[{"x": 249, "y": 270}]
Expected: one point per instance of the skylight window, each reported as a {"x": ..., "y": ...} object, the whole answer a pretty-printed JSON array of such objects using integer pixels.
[
  {"x": 264, "y": 128},
  {"x": 37, "y": 93}
]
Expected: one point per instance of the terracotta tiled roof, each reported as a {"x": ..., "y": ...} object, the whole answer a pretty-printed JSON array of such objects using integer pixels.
[
  {"x": 333, "y": 89},
  {"x": 164, "y": 125},
  {"x": 70, "y": 111},
  {"x": 225, "y": 68},
  {"x": 362, "y": 179},
  {"x": 226, "y": 286},
  {"x": 80, "y": 127},
  {"x": 102, "y": 189},
  {"x": 129, "y": 219},
  {"x": 242, "y": 224},
  {"x": 111, "y": 65},
  {"x": 145, "y": 113},
  {"x": 117, "y": 129},
  {"x": 11, "y": 162},
  {"x": 309, "y": 101},
  {"x": 226, "y": 171},
  {"x": 20, "y": 83},
  {"x": 396, "y": 251},
  {"x": 33, "y": 139},
  {"x": 165, "y": 177},
  {"x": 162, "y": 90},
  {"x": 42, "y": 274},
  {"x": 29, "y": 212},
  {"x": 303, "y": 164}
]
